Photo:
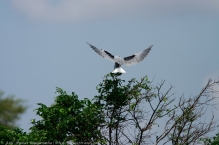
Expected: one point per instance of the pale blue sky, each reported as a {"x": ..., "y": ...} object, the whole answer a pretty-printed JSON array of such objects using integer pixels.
[{"x": 43, "y": 45}]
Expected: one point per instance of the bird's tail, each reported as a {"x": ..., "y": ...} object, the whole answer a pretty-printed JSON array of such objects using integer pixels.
[{"x": 119, "y": 70}]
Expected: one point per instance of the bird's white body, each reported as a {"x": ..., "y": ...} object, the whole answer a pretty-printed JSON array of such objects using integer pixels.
[
  {"x": 130, "y": 60},
  {"x": 118, "y": 70}
]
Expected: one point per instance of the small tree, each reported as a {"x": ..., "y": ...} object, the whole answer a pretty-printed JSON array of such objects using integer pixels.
[
  {"x": 10, "y": 110},
  {"x": 68, "y": 119}
]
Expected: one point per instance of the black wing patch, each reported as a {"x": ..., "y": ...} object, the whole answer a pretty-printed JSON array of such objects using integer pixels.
[
  {"x": 129, "y": 57},
  {"x": 109, "y": 54}
]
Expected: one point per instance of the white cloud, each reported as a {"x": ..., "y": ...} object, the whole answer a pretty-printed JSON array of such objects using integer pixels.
[{"x": 76, "y": 10}]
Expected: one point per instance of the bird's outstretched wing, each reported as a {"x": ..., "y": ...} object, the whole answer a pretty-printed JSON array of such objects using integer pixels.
[
  {"x": 136, "y": 58},
  {"x": 103, "y": 53}
]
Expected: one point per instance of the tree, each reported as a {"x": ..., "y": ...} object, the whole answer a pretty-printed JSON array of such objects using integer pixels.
[
  {"x": 122, "y": 113},
  {"x": 10, "y": 110},
  {"x": 129, "y": 121},
  {"x": 68, "y": 119}
]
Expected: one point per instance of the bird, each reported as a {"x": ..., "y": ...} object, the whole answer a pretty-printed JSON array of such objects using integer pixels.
[{"x": 128, "y": 61}]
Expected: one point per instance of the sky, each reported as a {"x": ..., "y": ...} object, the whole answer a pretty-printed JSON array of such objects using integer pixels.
[{"x": 43, "y": 45}]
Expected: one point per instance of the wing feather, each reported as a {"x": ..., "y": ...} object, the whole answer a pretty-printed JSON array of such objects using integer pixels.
[
  {"x": 103, "y": 53},
  {"x": 136, "y": 58}
]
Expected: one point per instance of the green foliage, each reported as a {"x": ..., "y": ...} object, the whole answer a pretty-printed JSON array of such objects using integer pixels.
[
  {"x": 11, "y": 135},
  {"x": 68, "y": 119},
  {"x": 117, "y": 100},
  {"x": 213, "y": 141},
  {"x": 113, "y": 97},
  {"x": 112, "y": 93},
  {"x": 10, "y": 109},
  {"x": 107, "y": 118}
]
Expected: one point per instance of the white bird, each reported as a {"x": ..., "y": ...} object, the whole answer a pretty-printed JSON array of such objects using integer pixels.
[{"x": 130, "y": 60}]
